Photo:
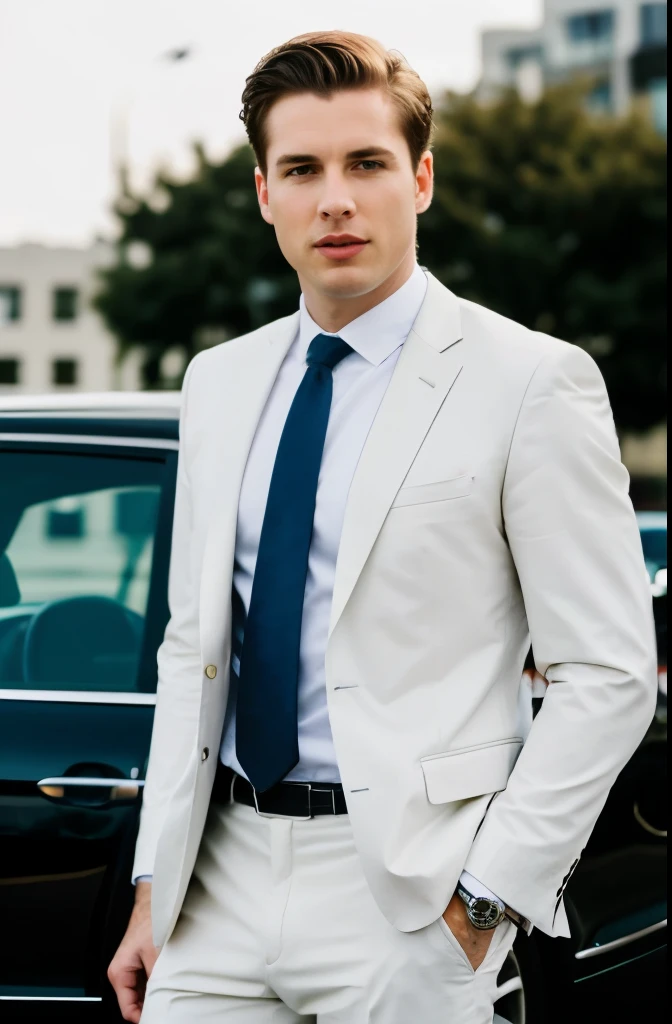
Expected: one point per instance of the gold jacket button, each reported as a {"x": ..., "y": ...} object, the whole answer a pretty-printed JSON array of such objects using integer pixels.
[
  {"x": 211, "y": 671},
  {"x": 205, "y": 753}
]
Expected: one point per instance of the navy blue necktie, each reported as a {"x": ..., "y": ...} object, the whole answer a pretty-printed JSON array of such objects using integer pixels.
[{"x": 267, "y": 743}]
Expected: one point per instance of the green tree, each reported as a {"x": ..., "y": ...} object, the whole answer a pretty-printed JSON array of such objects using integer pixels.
[
  {"x": 212, "y": 264},
  {"x": 543, "y": 212},
  {"x": 557, "y": 218}
]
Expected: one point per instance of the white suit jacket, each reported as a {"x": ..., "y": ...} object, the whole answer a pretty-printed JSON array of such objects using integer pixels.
[{"x": 489, "y": 508}]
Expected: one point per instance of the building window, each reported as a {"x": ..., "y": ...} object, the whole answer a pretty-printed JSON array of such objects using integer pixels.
[
  {"x": 653, "y": 24},
  {"x": 9, "y": 371},
  {"x": 519, "y": 55},
  {"x": 590, "y": 38},
  {"x": 591, "y": 27},
  {"x": 658, "y": 96},
  {"x": 10, "y": 303},
  {"x": 65, "y": 304},
  {"x": 64, "y": 371},
  {"x": 600, "y": 100}
]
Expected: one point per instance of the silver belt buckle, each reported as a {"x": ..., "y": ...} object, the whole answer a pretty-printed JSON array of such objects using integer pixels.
[
  {"x": 333, "y": 797},
  {"x": 291, "y": 817}
]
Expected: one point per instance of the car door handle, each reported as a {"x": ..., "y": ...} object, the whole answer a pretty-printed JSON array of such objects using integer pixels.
[{"x": 120, "y": 789}]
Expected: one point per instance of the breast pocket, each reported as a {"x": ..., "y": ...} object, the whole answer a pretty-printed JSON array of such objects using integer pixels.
[{"x": 442, "y": 490}]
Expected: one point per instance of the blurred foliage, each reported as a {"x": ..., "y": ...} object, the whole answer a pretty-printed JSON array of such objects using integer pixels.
[
  {"x": 557, "y": 218},
  {"x": 544, "y": 212},
  {"x": 207, "y": 250}
]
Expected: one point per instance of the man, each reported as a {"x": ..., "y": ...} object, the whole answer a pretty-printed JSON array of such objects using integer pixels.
[{"x": 380, "y": 500}]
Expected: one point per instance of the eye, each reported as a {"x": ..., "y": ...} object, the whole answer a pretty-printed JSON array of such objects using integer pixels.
[
  {"x": 295, "y": 171},
  {"x": 373, "y": 163}
]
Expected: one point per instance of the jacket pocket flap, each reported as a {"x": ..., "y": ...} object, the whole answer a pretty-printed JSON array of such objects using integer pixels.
[
  {"x": 470, "y": 771},
  {"x": 458, "y": 487}
]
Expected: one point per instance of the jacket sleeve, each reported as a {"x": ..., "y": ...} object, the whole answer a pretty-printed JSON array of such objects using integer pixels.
[
  {"x": 175, "y": 729},
  {"x": 575, "y": 542}
]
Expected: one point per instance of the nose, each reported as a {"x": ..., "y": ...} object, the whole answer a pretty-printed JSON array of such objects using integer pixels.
[{"x": 335, "y": 201}]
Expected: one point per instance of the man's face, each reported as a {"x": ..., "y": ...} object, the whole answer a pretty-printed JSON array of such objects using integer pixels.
[{"x": 341, "y": 166}]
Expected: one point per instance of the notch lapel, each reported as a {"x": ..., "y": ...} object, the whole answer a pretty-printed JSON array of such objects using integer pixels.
[
  {"x": 429, "y": 364},
  {"x": 235, "y": 430}
]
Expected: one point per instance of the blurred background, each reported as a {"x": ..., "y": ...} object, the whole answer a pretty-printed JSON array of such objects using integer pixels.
[{"x": 129, "y": 231}]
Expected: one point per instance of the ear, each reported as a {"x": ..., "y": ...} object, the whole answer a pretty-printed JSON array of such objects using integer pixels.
[
  {"x": 424, "y": 182},
  {"x": 262, "y": 195}
]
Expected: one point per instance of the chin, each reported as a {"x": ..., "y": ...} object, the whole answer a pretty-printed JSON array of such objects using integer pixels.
[{"x": 349, "y": 282}]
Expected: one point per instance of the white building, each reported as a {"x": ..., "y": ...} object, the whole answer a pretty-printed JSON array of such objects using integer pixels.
[
  {"x": 51, "y": 339},
  {"x": 621, "y": 44}
]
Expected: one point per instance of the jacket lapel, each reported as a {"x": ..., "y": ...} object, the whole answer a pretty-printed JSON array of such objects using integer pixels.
[
  {"x": 254, "y": 379},
  {"x": 428, "y": 366}
]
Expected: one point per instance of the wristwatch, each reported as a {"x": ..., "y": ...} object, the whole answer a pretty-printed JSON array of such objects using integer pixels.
[{"x": 485, "y": 913}]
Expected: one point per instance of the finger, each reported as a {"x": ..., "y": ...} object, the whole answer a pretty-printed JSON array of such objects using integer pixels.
[
  {"x": 130, "y": 1009},
  {"x": 130, "y": 989}
]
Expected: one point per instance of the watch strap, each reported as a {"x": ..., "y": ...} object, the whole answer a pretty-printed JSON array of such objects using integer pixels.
[{"x": 518, "y": 919}]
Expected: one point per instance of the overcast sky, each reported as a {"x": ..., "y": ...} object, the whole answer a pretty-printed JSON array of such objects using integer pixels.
[{"x": 82, "y": 81}]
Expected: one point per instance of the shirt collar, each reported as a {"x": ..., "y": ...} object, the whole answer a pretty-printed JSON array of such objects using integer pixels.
[{"x": 377, "y": 333}]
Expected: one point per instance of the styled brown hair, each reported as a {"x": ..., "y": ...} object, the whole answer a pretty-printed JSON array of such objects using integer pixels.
[{"x": 326, "y": 62}]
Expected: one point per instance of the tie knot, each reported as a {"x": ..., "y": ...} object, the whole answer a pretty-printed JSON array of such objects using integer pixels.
[{"x": 327, "y": 350}]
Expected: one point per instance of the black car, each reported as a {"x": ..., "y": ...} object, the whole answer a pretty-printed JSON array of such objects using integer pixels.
[{"x": 87, "y": 485}]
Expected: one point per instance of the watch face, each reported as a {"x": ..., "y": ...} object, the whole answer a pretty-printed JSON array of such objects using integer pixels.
[{"x": 484, "y": 913}]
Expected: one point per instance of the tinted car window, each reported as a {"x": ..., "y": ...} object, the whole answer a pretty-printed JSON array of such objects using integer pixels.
[
  {"x": 654, "y": 542},
  {"x": 76, "y": 550}
]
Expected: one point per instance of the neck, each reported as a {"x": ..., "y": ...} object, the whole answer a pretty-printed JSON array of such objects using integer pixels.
[{"x": 333, "y": 312}]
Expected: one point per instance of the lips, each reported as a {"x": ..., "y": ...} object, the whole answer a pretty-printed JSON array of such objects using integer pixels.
[
  {"x": 340, "y": 247},
  {"x": 338, "y": 241}
]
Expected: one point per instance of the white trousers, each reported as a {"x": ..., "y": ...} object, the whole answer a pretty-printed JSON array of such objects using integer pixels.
[{"x": 279, "y": 927}]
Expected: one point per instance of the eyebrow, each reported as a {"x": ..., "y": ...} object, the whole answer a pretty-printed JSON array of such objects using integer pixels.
[{"x": 355, "y": 154}]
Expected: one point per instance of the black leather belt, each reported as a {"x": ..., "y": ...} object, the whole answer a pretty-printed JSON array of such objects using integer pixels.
[{"x": 284, "y": 800}]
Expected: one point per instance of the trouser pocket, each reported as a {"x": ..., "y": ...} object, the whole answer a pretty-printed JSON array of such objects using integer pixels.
[{"x": 501, "y": 933}]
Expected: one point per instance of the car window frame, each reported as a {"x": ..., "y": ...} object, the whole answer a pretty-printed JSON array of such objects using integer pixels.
[{"x": 157, "y": 613}]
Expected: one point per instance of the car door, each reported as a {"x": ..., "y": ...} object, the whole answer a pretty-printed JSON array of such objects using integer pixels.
[{"x": 84, "y": 549}]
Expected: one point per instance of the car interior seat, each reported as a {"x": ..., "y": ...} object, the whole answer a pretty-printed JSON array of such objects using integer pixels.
[{"x": 83, "y": 643}]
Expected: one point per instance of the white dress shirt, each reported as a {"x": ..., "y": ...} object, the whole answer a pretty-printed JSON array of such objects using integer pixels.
[{"x": 359, "y": 383}]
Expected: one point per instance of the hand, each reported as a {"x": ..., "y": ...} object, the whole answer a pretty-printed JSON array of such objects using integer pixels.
[
  {"x": 474, "y": 941},
  {"x": 134, "y": 960}
]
